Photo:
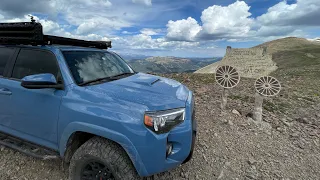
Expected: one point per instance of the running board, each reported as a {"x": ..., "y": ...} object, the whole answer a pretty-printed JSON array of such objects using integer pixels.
[{"x": 27, "y": 148}]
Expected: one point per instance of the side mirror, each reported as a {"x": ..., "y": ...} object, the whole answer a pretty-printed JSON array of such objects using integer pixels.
[{"x": 40, "y": 81}]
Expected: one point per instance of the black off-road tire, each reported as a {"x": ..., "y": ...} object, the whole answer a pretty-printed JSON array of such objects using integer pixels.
[{"x": 109, "y": 153}]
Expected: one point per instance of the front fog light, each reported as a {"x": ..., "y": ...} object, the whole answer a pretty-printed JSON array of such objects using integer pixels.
[
  {"x": 164, "y": 121},
  {"x": 169, "y": 149}
]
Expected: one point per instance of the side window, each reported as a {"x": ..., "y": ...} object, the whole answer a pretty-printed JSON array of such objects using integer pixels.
[
  {"x": 5, "y": 54},
  {"x": 31, "y": 62}
]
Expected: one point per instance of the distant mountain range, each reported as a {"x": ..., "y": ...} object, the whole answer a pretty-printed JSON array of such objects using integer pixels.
[
  {"x": 130, "y": 57},
  {"x": 169, "y": 64},
  {"x": 149, "y": 64}
]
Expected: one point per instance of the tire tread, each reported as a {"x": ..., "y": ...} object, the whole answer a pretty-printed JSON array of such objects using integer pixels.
[{"x": 108, "y": 151}]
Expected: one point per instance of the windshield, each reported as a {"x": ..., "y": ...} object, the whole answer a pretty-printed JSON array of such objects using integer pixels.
[{"x": 87, "y": 66}]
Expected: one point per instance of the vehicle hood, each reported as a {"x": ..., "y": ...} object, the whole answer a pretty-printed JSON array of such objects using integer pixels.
[{"x": 154, "y": 92}]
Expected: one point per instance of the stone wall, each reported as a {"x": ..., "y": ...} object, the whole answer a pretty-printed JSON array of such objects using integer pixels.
[{"x": 251, "y": 63}]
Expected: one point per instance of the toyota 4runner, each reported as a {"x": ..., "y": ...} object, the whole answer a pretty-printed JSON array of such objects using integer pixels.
[{"x": 72, "y": 99}]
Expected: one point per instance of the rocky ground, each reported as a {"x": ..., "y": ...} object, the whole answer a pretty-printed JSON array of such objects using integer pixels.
[{"x": 230, "y": 145}]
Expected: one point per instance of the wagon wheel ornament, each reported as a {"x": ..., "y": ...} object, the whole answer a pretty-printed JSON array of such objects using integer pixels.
[
  {"x": 267, "y": 86},
  {"x": 227, "y": 77}
]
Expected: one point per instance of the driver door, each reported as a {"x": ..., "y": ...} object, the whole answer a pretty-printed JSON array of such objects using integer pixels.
[{"x": 33, "y": 113}]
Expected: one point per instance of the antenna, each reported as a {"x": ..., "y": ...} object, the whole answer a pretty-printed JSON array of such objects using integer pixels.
[
  {"x": 266, "y": 86},
  {"x": 32, "y": 18},
  {"x": 227, "y": 77}
]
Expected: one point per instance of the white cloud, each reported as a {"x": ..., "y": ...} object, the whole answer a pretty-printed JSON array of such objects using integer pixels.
[
  {"x": 143, "y": 41},
  {"x": 217, "y": 22},
  {"x": 150, "y": 32},
  {"x": 49, "y": 27},
  {"x": 101, "y": 25},
  {"x": 104, "y": 3},
  {"x": 283, "y": 19},
  {"x": 53, "y": 28},
  {"x": 161, "y": 47},
  {"x": 266, "y": 31},
  {"x": 183, "y": 30},
  {"x": 126, "y": 32},
  {"x": 278, "y": 35},
  {"x": 302, "y": 13},
  {"x": 87, "y": 27},
  {"x": 62, "y": 4},
  {"x": 145, "y": 2},
  {"x": 232, "y": 21},
  {"x": 94, "y": 16},
  {"x": 89, "y": 16}
]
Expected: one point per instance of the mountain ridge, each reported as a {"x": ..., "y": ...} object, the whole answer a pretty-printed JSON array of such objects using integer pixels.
[
  {"x": 170, "y": 64},
  {"x": 273, "y": 47}
]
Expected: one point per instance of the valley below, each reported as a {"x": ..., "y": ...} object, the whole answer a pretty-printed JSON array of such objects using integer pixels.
[{"x": 170, "y": 64}]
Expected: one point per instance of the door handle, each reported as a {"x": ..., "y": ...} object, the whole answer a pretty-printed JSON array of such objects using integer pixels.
[{"x": 5, "y": 91}]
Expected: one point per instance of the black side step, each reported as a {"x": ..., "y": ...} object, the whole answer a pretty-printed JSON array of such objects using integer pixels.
[{"x": 27, "y": 148}]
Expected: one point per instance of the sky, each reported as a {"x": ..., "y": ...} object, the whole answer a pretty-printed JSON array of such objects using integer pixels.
[{"x": 182, "y": 28}]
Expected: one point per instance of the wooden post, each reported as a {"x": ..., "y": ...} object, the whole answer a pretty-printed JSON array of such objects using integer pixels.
[
  {"x": 257, "y": 113},
  {"x": 224, "y": 98}
]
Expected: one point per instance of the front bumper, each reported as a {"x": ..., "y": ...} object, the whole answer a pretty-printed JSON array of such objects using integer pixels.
[
  {"x": 194, "y": 136},
  {"x": 182, "y": 137}
]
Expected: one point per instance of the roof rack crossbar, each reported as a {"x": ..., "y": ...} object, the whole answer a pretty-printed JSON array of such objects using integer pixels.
[
  {"x": 30, "y": 33},
  {"x": 76, "y": 42}
]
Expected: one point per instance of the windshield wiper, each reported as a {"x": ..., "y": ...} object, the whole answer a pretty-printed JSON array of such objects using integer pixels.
[
  {"x": 120, "y": 75},
  {"x": 105, "y": 79}
]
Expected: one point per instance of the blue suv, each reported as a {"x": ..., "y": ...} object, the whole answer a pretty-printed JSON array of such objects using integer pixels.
[{"x": 74, "y": 100}]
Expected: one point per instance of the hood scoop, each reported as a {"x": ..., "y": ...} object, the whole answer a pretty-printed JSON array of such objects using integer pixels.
[
  {"x": 148, "y": 81},
  {"x": 155, "y": 81}
]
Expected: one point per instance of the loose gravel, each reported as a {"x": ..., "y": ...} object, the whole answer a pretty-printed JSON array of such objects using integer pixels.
[{"x": 230, "y": 145}]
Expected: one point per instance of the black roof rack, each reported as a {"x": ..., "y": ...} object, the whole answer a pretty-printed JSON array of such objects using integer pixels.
[{"x": 31, "y": 33}]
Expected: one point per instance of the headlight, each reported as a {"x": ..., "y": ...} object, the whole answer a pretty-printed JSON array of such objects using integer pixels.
[{"x": 164, "y": 121}]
